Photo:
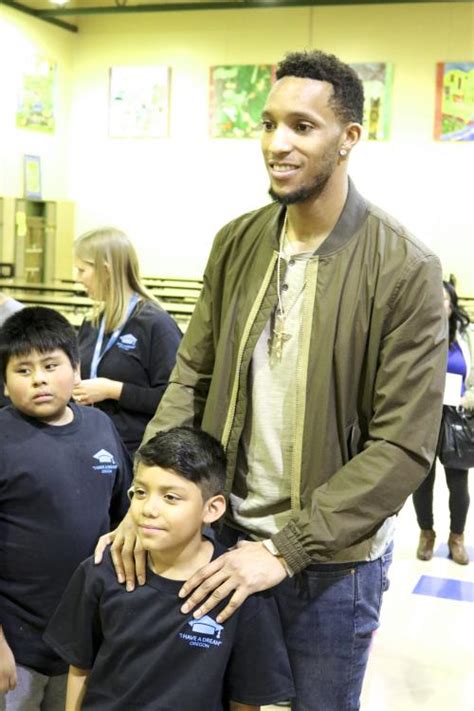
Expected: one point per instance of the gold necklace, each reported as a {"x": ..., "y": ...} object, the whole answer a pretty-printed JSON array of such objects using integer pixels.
[{"x": 279, "y": 335}]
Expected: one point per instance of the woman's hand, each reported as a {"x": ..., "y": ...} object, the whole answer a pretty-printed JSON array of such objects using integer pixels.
[
  {"x": 93, "y": 390},
  {"x": 7, "y": 666},
  {"x": 128, "y": 556}
]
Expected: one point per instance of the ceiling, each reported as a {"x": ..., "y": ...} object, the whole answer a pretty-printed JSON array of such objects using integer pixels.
[{"x": 65, "y": 15}]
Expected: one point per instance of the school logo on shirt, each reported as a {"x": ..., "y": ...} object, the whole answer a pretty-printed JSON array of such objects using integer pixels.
[
  {"x": 206, "y": 633},
  {"x": 127, "y": 342},
  {"x": 106, "y": 462}
]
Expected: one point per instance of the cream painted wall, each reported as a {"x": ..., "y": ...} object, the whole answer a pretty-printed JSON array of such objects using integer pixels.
[
  {"x": 173, "y": 194},
  {"x": 22, "y": 36}
]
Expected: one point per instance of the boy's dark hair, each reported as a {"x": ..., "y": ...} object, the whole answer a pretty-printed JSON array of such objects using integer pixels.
[
  {"x": 37, "y": 328},
  {"x": 347, "y": 100},
  {"x": 193, "y": 454}
]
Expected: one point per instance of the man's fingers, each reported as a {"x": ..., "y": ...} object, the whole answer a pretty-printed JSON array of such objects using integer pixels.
[
  {"x": 128, "y": 562},
  {"x": 219, "y": 594},
  {"x": 212, "y": 588},
  {"x": 235, "y": 602},
  {"x": 139, "y": 556},
  {"x": 116, "y": 554},
  {"x": 102, "y": 544},
  {"x": 202, "y": 575}
]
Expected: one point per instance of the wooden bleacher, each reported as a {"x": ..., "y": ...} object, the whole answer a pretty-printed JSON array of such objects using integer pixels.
[{"x": 177, "y": 296}]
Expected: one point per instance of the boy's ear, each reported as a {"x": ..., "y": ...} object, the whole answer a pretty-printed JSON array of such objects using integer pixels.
[
  {"x": 77, "y": 374},
  {"x": 5, "y": 390},
  {"x": 213, "y": 509}
]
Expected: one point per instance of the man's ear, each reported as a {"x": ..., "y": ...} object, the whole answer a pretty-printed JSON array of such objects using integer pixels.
[
  {"x": 214, "y": 508},
  {"x": 351, "y": 136}
]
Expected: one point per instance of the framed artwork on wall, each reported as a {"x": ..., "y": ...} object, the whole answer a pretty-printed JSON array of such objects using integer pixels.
[
  {"x": 237, "y": 97},
  {"x": 37, "y": 96},
  {"x": 32, "y": 177},
  {"x": 377, "y": 79},
  {"x": 139, "y": 102},
  {"x": 454, "y": 112}
]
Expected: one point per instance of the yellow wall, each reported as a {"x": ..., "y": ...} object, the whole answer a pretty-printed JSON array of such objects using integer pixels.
[
  {"x": 173, "y": 194},
  {"x": 22, "y": 36}
]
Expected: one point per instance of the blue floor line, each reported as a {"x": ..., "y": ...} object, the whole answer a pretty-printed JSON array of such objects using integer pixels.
[{"x": 447, "y": 588}]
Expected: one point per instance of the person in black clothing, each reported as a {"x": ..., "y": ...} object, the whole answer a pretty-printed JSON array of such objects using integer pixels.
[
  {"x": 128, "y": 347},
  {"x": 137, "y": 650},
  {"x": 460, "y": 365},
  {"x": 64, "y": 476}
]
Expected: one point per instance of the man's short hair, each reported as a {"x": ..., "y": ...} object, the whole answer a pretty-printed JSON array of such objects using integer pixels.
[
  {"x": 347, "y": 100},
  {"x": 37, "y": 328},
  {"x": 193, "y": 454}
]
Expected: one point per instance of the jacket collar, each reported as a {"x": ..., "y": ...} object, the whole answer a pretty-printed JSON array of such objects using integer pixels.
[{"x": 353, "y": 215}]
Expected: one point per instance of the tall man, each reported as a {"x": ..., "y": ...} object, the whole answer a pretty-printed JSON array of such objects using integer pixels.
[{"x": 316, "y": 354}]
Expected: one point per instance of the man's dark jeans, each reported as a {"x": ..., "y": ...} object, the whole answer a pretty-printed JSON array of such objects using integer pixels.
[{"x": 329, "y": 613}]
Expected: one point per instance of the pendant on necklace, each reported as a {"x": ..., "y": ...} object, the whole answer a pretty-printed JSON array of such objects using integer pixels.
[{"x": 280, "y": 337}]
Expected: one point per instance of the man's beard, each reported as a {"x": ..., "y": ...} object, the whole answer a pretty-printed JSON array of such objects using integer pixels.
[
  {"x": 308, "y": 192},
  {"x": 314, "y": 190}
]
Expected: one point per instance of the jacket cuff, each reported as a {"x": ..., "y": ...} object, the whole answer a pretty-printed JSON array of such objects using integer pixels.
[{"x": 291, "y": 549}]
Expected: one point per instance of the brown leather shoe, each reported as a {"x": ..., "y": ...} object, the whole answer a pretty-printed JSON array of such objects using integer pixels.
[
  {"x": 457, "y": 549},
  {"x": 426, "y": 545}
]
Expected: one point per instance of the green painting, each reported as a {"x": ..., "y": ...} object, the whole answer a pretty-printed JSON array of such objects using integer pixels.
[
  {"x": 237, "y": 98},
  {"x": 36, "y": 110},
  {"x": 454, "y": 115},
  {"x": 377, "y": 80}
]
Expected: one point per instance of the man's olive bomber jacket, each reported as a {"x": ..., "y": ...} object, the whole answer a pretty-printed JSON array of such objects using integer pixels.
[{"x": 369, "y": 379}]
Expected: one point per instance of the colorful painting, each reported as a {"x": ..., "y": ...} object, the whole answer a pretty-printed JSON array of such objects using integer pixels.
[
  {"x": 237, "y": 98},
  {"x": 454, "y": 115},
  {"x": 139, "y": 102},
  {"x": 36, "y": 101},
  {"x": 377, "y": 80}
]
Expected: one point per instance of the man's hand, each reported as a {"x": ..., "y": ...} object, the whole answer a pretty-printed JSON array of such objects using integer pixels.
[
  {"x": 246, "y": 569},
  {"x": 88, "y": 392},
  {"x": 128, "y": 556},
  {"x": 7, "y": 666}
]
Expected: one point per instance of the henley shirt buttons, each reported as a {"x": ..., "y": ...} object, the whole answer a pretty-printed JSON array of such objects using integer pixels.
[
  {"x": 284, "y": 287},
  {"x": 291, "y": 262}
]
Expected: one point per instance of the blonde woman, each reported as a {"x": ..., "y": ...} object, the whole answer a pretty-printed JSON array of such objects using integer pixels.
[{"x": 128, "y": 346}]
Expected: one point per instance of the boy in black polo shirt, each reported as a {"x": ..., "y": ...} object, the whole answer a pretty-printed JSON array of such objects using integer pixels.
[
  {"x": 64, "y": 475},
  {"x": 137, "y": 650}
]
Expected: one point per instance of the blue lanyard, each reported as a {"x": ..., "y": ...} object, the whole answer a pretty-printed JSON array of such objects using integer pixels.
[{"x": 97, "y": 357}]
